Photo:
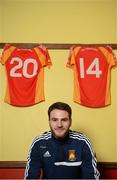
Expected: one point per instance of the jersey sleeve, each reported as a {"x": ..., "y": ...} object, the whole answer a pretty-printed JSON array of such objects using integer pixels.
[
  {"x": 72, "y": 56},
  {"x": 110, "y": 56},
  {"x": 89, "y": 163},
  {"x": 33, "y": 166},
  {"x": 6, "y": 53},
  {"x": 43, "y": 55}
]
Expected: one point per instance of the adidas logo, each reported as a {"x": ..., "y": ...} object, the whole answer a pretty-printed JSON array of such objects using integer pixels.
[{"x": 47, "y": 154}]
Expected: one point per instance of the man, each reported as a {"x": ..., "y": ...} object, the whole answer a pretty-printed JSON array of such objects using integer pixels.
[{"x": 61, "y": 153}]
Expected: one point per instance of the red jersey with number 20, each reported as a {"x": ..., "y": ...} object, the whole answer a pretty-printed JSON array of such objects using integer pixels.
[
  {"x": 25, "y": 71},
  {"x": 92, "y": 66}
]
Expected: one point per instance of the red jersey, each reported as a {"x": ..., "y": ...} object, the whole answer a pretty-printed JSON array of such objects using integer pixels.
[
  {"x": 92, "y": 67},
  {"x": 25, "y": 74}
]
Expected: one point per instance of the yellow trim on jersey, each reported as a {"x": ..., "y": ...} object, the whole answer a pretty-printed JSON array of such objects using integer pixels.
[
  {"x": 76, "y": 95},
  {"x": 39, "y": 92},
  {"x": 41, "y": 56},
  {"x": 6, "y": 54},
  {"x": 111, "y": 59},
  {"x": 72, "y": 56},
  {"x": 107, "y": 94},
  {"x": 7, "y": 94},
  {"x": 74, "y": 53}
]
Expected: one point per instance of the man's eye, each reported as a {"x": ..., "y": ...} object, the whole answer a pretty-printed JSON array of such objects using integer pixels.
[
  {"x": 65, "y": 119},
  {"x": 54, "y": 119}
]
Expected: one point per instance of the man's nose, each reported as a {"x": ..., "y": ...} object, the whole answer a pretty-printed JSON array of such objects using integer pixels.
[{"x": 59, "y": 123}]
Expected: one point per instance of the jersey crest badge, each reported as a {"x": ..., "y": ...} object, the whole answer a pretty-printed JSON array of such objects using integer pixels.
[{"x": 72, "y": 156}]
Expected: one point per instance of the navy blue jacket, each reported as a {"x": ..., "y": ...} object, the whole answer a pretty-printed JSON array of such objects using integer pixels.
[{"x": 70, "y": 158}]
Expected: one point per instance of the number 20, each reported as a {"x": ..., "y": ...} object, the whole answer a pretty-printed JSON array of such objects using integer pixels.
[{"x": 24, "y": 67}]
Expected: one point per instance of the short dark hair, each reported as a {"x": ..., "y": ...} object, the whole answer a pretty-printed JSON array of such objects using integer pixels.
[{"x": 61, "y": 106}]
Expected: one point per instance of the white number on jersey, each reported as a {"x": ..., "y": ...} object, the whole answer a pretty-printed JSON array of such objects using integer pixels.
[
  {"x": 90, "y": 69},
  {"x": 14, "y": 73}
]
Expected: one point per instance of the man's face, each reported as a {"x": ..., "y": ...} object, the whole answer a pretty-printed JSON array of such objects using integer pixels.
[{"x": 59, "y": 123}]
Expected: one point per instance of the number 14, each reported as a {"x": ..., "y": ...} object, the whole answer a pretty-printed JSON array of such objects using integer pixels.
[{"x": 90, "y": 69}]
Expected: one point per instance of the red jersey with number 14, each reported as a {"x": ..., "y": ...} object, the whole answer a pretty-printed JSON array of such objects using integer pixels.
[
  {"x": 92, "y": 66},
  {"x": 25, "y": 71}
]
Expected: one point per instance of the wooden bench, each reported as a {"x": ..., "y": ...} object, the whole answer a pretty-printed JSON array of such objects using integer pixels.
[{"x": 15, "y": 170}]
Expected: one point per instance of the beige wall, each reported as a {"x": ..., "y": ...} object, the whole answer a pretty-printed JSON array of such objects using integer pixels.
[
  {"x": 0, "y": 76},
  {"x": 60, "y": 21},
  {"x": 115, "y": 77},
  {"x": 0, "y": 21}
]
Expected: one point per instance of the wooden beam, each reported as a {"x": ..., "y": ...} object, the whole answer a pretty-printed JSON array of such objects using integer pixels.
[{"x": 54, "y": 45}]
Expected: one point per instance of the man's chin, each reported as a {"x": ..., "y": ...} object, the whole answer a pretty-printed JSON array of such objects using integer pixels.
[{"x": 60, "y": 135}]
